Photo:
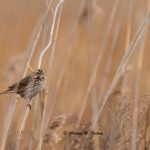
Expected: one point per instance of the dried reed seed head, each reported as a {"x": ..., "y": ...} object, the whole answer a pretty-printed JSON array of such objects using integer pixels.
[
  {"x": 51, "y": 135},
  {"x": 58, "y": 122}
]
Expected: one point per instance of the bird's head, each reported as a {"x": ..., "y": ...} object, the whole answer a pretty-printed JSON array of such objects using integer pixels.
[{"x": 40, "y": 74}]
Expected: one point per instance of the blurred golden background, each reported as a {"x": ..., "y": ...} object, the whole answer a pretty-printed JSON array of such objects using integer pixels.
[{"x": 89, "y": 44}]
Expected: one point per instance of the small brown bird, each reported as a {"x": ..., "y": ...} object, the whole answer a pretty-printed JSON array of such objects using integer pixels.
[{"x": 29, "y": 86}]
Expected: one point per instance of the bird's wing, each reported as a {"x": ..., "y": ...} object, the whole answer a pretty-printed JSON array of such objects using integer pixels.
[{"x": 25, "y": 81}]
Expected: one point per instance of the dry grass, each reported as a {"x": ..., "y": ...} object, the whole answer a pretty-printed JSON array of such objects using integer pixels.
[
  {"x": 95, "y": 55},
  {"x": 52, "y": 132}
]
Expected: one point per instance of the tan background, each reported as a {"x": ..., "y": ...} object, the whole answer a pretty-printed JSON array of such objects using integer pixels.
[{"x": 82, "y": 30}]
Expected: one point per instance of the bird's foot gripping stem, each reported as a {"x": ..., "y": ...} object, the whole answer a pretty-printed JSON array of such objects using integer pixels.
[{"x": 29, "y": 105}]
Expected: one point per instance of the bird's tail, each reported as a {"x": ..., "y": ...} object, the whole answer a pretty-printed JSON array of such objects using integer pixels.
[{"x": 5, "y": 92}]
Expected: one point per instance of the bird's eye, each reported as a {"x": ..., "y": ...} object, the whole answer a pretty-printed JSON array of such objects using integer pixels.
[{"x": 38, "y": 77}]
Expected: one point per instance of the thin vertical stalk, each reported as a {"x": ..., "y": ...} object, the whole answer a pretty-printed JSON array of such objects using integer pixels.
[
  {"x": 51, "y": 33},
  {"x": 108, "y": 63},
  {"x": 101, "y": 51},
  {"x": 58, "y": 8},
  {"x": 91, "y": 55},
  {"x": 49, "y": 2},
  {"x": 51, "y": 105},
  {"x": 120, "y": 69},
  {"x": 39, "y": 64}
]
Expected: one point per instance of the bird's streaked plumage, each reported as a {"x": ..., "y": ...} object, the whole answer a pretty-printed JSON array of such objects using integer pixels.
[{"x": 29, "y": 86}]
